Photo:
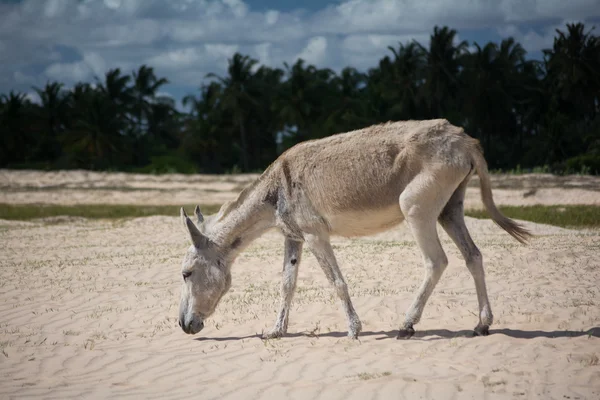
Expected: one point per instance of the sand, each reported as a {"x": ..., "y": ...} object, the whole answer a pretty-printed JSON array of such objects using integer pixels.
[
  {"x": 84, "y": 187},
  {"x": 89, "y": 310}
]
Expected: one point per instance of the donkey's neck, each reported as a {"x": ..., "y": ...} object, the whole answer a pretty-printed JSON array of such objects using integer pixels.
[{"x": 243, "y": 221}]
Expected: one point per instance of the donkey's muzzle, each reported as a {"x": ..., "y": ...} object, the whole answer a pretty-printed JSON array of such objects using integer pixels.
[{"x": 191, "y": 327}]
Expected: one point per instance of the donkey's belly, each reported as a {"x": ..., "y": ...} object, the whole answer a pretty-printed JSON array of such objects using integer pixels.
[{"x": 364, "y": 223}]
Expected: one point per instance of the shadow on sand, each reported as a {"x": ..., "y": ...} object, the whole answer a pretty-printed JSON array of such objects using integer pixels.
[{"x": 431, "y": 334}]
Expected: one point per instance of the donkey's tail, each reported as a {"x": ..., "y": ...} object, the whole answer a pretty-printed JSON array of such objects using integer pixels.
[{"x": 510, "y": 226}]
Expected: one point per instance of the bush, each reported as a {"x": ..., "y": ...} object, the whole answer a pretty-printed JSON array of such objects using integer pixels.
[
  {"x": 168, "y": 164},
  {"x": 585, "y": 164}
]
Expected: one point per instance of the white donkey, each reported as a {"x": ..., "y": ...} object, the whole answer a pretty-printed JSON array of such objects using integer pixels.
[{"x": 351, "y": 184}]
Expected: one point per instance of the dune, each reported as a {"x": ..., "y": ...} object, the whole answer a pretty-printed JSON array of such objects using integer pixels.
[
  {"x": 89, "y": 307},
  {"x": 89, "y": 310}
]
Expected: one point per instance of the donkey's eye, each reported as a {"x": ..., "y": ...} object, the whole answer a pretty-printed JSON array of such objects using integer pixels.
[{"x": 186, "y": 274}]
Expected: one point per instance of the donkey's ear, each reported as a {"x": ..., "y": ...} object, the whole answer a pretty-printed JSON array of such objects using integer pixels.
[
  {"x": 197, "y": 238},
  {"x": 199, "y": 216}
]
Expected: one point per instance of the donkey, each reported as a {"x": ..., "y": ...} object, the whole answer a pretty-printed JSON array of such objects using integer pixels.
[{"x": 350, "y": 184}]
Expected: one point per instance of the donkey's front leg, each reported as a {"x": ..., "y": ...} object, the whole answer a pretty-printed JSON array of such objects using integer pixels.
[
  {"x": 293, "y": 253},
  {"x": 321, "y": 248}
]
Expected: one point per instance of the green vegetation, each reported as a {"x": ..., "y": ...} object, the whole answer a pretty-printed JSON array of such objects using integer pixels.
[
  {"x": 526, "y": 113},
  {"x": 32, "y": 211},
  {"x": 578, "y": 216}
]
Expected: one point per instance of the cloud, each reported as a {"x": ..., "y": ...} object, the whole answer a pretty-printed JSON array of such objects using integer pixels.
[
  {"x": 271, "y": 17},
  {"x": 263, "y": 51},
  {"x": 55, "y": 8},
  {"x": 315, "y": 51},
  {"x": 359, "y": 50},
  {"x": 22, "y": 78},
  {"x": 194, "y": 62},
  {"x": 379, "y": 16},
  {"x": 534, "y": 40},
  {"x": 176, "y": 59},
  {"x": 91, "y": 65},
  {"x": 71, "y": 40},
  {"x": 33, "y": 97}
]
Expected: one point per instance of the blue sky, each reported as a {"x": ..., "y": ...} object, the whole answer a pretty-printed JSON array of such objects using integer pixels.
[{"x": 75, "y": 40}]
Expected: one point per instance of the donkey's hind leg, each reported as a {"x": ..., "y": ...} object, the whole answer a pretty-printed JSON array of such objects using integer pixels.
[
  {"x": 421, "y": 203},
  {"x": 322, "y": 250},
  {"x": 453, "y": 221}
]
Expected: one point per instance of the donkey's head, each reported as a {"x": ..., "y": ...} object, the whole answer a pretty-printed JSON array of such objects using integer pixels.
[{"x": 206, "y": 277}]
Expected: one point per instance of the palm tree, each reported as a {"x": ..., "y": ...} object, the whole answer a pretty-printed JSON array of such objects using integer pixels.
[
  {"x": 572, "y": 67},
  {"x": 163, "y": 122},
  {"x": 15, "y": 138},
  {"x": 349, "y": 109},
  {"x": 95, "y": 135},
  {"x": 442, "y": 71},
  {"x": 116, "y": 87},
  {"x": 145, "y": 86},
  {"x": 203, "y": 130},
  {"x": 53, "y": 113},
  {"x": 294, "y": 105},
  {"x": 306, "y": 99},
  {"x": 265, "y": 121},
  {"x": 237, "y": 96},
  {"x": 405, "y": 80},
  {"x": 520, "y": 81},
  {"x": 481, "y": 76}
]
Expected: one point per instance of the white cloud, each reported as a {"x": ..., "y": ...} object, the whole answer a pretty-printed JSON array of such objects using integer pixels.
[
  {"x": 68, "y": 72},
  {"x": 532, "y": 40},
  {"x": 55, "y": 8},
  {"x": 95, "y": 62},
  {"x": 271, "y": 17},
  {"x": 189, "y": 65},
  {"x": 20, "y": 77},
  {"x": 237, "y": 7},
  {"x": 315, "y": 51},
  {"x": 371, "y": 43},
  {"x": 91, "y": 65},
  {"x": 220, "y": 51},
  {"x": 33, "y": 97},
  {"x": 379, "y": 16},
  {"x": 527, "y": 10},
  {"x": 177, "y": 58},
  {"x": 142, "y": 32},
  {"x": 359, "y": 50},
  {"x": 263, "y": 52},
  {"x": 112, "y": 4},
  {"x": 185, "y": 39}
]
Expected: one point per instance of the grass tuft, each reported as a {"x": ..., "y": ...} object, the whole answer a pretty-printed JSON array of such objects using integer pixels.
[
  {"x": 95, "y": 211},
  {"x": 567, "y": 216}
]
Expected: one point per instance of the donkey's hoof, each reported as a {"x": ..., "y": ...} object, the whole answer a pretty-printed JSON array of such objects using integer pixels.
[
  {"x": 274, "y": 334},
  {"x": 406, "y": 333},
  {"x": 353, "y": 333},
  {"x": 481, "y": 330}
]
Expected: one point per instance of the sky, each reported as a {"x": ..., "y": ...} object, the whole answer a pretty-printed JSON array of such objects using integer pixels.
[{"x": 77, "y": 40}]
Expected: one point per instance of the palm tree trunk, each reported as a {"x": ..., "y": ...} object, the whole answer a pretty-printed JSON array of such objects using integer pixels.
[
  {"x": 520, "y": 152},
  {"x": 139, "y": 116},
  {"x": 244, "y": 146}
]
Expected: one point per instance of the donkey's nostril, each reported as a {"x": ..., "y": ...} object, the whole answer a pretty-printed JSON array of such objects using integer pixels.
[
  {"x": 180, "y": 324},
  {"x": 186, "y": 274}
]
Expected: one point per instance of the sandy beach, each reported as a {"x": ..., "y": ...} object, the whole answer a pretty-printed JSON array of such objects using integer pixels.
[{"x": 89, "y": 307}]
